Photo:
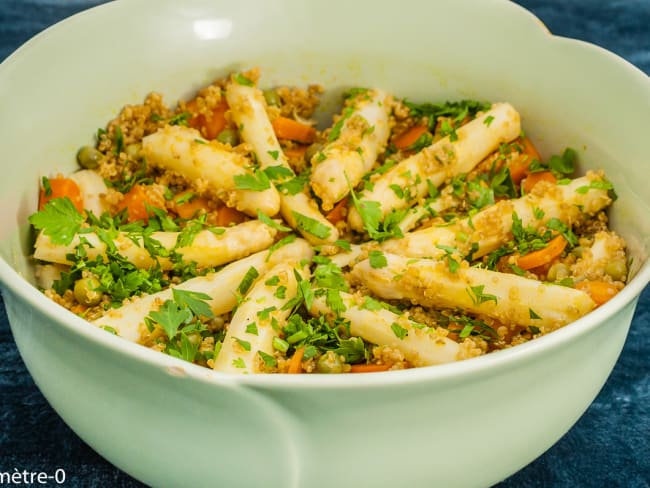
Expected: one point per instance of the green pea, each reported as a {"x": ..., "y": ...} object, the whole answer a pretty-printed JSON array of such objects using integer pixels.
[
  {"x": 312, "y": 150},
  {"x": 228, "y": 136},
  {"x": 558, "y": 272},
  {"x": 88, "y": 157},
  {"x": 329, "y": 363},
  {"x": 272, "y": 98},
  {"x": 617, "y": 269},
  {"x": 578, "y": 251},
  {"x": 133, "y": 150},
  {"x": 86, "y": 291},
  {"x": 194, "y": 338}
]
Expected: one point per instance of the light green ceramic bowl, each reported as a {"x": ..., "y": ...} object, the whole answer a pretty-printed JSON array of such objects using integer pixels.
[{"x": 143, "y": 410}]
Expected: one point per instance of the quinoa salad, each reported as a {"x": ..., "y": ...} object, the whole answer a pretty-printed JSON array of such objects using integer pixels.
[{"x": 231, "y": 231}]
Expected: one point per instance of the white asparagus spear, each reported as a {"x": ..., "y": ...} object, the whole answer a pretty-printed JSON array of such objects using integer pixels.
[
  {"x": 251, "y": 332},
  {"x": 421, "y": 345},
  {"x": 506, "y": 297},
  {"x": 207, "y": 249},
  {"x": 605, "y": 255},
  {"x": 358, "y": 137},
  {"x": 440, "y": 161},
  {"x": 93, "y": 190},
  {"x": 492, "y": 227},
  {"x": 300, "y": 211},
  {"x": 184, "y": 151},
  {"x": 345, "y": 258},
  {"x": 221, "y": 286}
]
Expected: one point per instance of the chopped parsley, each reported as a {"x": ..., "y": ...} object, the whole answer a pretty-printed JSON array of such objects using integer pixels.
[
  {"x": 272, "y": 223},
  {"x": 399, "y": 331},
  {"x": 242, "y": 80},
  {"x": 477, "y": 295},
  {"x": 247, "y": 281},
  {"x": 336, "y": 129},
  {"x": 457, "y": 111},
  {"x": 118, "y": 140},
  {"x": 377, "y": 259}
]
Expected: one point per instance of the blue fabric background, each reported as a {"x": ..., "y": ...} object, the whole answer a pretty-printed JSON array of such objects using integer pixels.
[{"x": 608, "y": 447}]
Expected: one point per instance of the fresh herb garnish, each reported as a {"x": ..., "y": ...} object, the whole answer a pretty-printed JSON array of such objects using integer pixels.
[
  {"x": 242, "y": 80},
  {"x": 311, "y": 226},
  {"x": 59, "y": 220},
  {"x": 258, "y": 181}
]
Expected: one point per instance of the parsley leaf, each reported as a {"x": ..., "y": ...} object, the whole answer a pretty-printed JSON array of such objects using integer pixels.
[
  {"x": 477, "y": 295},
  {"x": 269, "y": 360},
  {"x": 336, "y": 128},
  {"x": 194, "y": 300},
  {"x": 565, "y": 164},
  {"x": 278, "y": 172},
  {"x": 272, "y": 223},
  {"x": 294, "y": 185},
  {"x": 377, "y": 259},
  {"x": 59, "y": 219},
  {"x": 311, "y": 226},
  {"x": 170, "y": 317},
  {"x": 258, "y": 181}
]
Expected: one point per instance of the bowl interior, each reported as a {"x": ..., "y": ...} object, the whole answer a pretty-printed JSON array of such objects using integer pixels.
[{"x": 69, "y": 81}]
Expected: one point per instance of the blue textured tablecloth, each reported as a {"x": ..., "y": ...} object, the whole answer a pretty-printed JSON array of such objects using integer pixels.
[{"x": 608, "y": 447}]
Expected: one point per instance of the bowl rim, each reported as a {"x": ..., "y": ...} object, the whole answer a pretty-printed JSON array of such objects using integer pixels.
[{"x": 485, "y": 364}]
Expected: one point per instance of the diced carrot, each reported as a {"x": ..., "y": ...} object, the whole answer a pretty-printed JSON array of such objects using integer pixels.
[
  {"x": 543, "y": 256},
  {"x": 599, "y": 291},
  {"x": 286, "y": 128},
  {"x": 295, "y": 363},
  {"x": 62, "y": 187},
  {"x": 211, "y": 125},
  {"x": 520, "y": 162},
  {"x": 368, "y": 368},
  {"x": 543, "y": 269},
  {"x": 409, "y": 136},
  {"x": 190, "y": 208},
  {"x": 228, "y": 216},
  {"x": 136, "y": 202},
  {"x": 338, "y": 213},
  {"x": 533, "y": 178},
  {"x": 78, "y": 308},
  {"x": 296, "y": 151}
]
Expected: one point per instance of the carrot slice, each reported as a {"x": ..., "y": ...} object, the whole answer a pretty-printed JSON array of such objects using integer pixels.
[
  {"x": 338, "y": 213},
  {"x": 409, "y": 136},
  {"x": 520, "y": 163},
  {"x": 533, "y": 178},
  {"x": 211, "y": 125},
  {"x": 286, "y": 128},
  {"x": 59, "y": 188},
  {"x": 295, "y": 363},
  {"x": 190, "y": 208},
  {"x": 543, "y": 256},
  {"x": 599, "y": 291},
  {"x": 136, "y": 202},
  {"x": 368, "y": 368},
  {"x": 227, "y": 216}
]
